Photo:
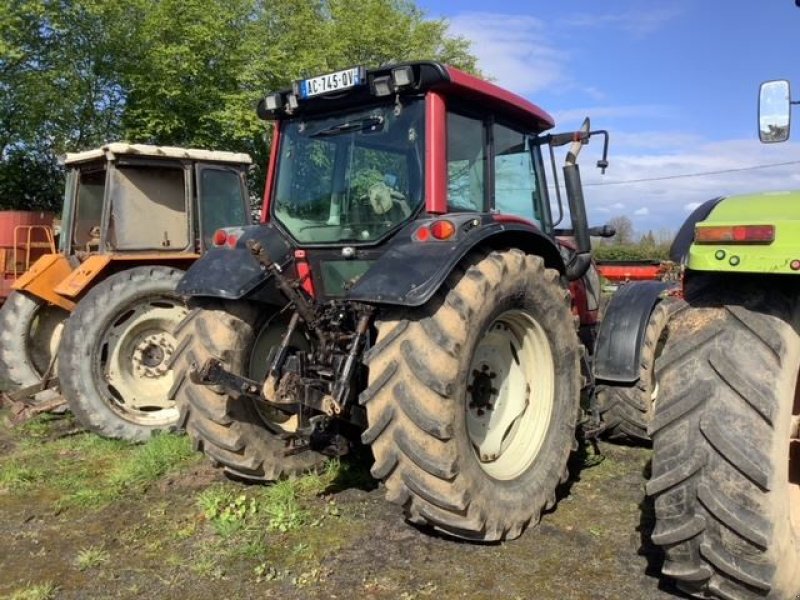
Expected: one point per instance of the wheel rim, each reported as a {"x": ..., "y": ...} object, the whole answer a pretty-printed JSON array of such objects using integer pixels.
[
  {"x": 44, "y": 336},
  {"x": 271, "y": 335},
  {"x": 794, "y": 463},
  {"x": 510, "y": 395},
  {"x": 133, "y": 361}
]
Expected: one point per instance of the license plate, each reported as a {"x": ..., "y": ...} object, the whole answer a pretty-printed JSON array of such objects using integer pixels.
[{"x": 332, "y": 82}]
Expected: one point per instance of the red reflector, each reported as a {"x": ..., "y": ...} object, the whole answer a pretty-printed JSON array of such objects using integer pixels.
[
  {"x": 231, "y": 241},
  {"x": 795, "y": 265},
  {"x": 443, "y": 230},
  {"x": 299, "y": 253},
  {"x": 735, "y": 234},
  {"x": 422, "y": 234},
  {"x": 219, "y": 237}
]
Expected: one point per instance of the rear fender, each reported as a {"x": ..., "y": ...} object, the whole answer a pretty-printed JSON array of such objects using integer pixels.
[
  {"x": 410, "y": 272},
  {"x": 233, "y": 273},
  {"x": 618, "y": 350},
  {"x": 42, "y": 279}
]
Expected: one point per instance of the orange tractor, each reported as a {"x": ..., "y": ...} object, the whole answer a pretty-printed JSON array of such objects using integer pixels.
[{"x": 134, "y": 218}]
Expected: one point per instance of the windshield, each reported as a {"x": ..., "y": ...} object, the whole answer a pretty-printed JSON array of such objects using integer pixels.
[{"x": 353, "y": 176}]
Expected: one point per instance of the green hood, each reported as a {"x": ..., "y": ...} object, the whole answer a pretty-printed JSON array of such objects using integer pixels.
[{"x": 781, "y": 209}]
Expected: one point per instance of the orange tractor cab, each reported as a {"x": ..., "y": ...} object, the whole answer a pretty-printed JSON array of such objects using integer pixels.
[{"x": 134, "y": 218}]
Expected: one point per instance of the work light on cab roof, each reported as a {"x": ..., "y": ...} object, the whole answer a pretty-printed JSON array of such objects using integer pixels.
[{"x": 332, "y": 83}]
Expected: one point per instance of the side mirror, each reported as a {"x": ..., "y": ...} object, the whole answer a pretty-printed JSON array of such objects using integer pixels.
[
  {"x": 603, "y": 231},
  {"x": 774, "y": 111}
]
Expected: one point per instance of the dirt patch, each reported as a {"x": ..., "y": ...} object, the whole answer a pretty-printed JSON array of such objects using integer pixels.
[
  {"x": 689, "y": 322},
  {"x": 192, "y": 534}
]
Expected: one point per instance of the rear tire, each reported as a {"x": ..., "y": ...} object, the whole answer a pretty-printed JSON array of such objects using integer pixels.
[
  {"x": 725, "y": 474},
  {"x": 626, "y": 410},
  {"x": 30, "y": 332},
  {"x": 431, "y": 375},
  {"x": 235, "y": 434},
  {"x": 114, "y": 362}
]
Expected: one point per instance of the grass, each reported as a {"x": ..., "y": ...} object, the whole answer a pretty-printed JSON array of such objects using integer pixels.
[
  {"x": 86, "y": 470},
  {"x": 39, "y": 591},
  {"x": 91, "y": 557},
  {"x": 15, "y": 477}
]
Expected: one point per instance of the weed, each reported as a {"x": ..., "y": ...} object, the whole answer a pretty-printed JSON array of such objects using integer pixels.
[
  {"x": 39, "y": 591},
  {"x": 281, "y": 506},
  {"x": 14, "y": 476},
  {"x": 228, "y": 512},
  {"x": 90, "y": 557},
  {"x": 208, "y": 567}
]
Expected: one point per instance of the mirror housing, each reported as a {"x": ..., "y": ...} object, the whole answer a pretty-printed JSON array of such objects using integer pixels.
[
  {"x": 603, "y": 231},
  {"x": 774, "y": 111}
]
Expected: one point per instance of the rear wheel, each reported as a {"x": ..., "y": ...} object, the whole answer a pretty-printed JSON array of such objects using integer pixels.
[
  {"x": 472, "y": 403},
  {"x": 726, "y": 462},
  {"x": 30, "y": 332},
  {"x": 114, "y": 367},
  {"x": 239, "y": 435},
  {"x": 626, "y": 410}
]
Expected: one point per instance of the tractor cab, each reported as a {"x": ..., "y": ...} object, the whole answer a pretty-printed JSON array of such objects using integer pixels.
[
  {"x": 370, "y": 167},
  {"x": 137, "y": 198},
  {"x": 132, "y": 203}
]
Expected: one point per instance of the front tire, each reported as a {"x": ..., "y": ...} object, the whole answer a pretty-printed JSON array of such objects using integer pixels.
[
  {"x": 115, "y": 354},
  {"x": 30, "y": 332},
  {"x": 726, "y": 461},
  {"x": 472, "y": 401},
  {"x": 236, "y": 434}
]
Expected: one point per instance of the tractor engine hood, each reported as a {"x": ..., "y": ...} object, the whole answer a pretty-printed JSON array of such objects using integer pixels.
[{"x": 781, "y": 254}]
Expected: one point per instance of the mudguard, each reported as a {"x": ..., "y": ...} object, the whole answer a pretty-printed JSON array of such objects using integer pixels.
[
  {"x": 622, "y": 331},
  {"x": 679, "y": 250},
  {"x": 409, "y": 271},
  {"x": 233, "y": 273}
]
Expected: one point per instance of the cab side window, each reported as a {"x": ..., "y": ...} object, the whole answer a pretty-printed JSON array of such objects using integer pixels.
[
  {"x": 515, "y": 182},
  {"x": 466, "y": 157}
]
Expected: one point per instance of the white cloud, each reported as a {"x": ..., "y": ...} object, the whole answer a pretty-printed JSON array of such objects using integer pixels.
[
  {"x": 668, "y": 199},
  {"x": 641, "y": 212},
  {"x": 637, "y": 23},
  {"x": 598, "y": 113},
  {"x": 514, "y": 50}
]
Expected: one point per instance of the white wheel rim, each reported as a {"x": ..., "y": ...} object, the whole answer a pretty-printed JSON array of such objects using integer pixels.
[
  {"x": 133, "y": 359},
  {"x": 510, "y": 395}
]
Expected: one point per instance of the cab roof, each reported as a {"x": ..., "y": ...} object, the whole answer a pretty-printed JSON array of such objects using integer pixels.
[
  {"x": 109, "y": 151},
  {"x": 466, "y": 89}
]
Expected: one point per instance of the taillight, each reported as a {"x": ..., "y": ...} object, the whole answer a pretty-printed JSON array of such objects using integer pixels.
[
  {"x": 734, "y": 234},
  {"x": 304, "y": 272},
  {"x": 443, "y": 230},
  {"x": 220, "y": 237},
  {"x": 226, "y": 237},
  {"x": 439, "y": 230}
]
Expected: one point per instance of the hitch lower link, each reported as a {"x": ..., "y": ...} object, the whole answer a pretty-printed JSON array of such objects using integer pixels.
[
  {"x": 314, "y": 434},
  {"x": 213, "y": 373}
]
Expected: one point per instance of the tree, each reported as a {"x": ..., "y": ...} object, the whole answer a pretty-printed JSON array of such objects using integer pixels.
[
  {"x": 624, "y": 227},
  {"x": 77, "y": 73}
]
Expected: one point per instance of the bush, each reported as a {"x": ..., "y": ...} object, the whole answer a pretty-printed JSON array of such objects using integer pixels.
[{"x": 630, "y": 252}]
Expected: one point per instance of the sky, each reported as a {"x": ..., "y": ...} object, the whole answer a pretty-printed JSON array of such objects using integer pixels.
[{"x": 675, "y": 83}]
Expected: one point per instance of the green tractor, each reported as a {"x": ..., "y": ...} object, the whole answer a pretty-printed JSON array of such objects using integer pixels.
[{"x": 726, "y": 424}]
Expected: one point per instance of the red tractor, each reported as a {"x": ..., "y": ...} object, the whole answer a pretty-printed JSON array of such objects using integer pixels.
[{"x": 405, "y": 290}]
